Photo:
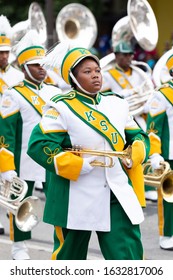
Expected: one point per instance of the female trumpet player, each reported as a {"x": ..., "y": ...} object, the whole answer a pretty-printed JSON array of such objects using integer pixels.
[{"x": 81, "y": 197}]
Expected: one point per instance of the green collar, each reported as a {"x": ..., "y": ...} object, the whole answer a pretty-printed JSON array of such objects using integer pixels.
[
  {"x": 118, "y": 68},
  {"x": 88, "y": 99},
  {"x": 170, "y": 83},
  {"x": 32, "y": 85}
]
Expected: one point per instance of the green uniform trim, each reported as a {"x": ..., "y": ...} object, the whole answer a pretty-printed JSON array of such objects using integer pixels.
[{"x": 98, "y": 121}]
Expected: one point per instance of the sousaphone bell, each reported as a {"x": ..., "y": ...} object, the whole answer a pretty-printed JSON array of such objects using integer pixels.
[
  {"x": 36, "y": 21},
  {"x": 76, "y": 24},
  {"x": 141, "y": 24}
]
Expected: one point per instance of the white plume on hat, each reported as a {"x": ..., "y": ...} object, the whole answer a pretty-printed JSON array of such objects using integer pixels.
[
  {"x": 31, "y": 38},
  {"x": 5, "y": 27},
  {"x": 55, "y": 55}
]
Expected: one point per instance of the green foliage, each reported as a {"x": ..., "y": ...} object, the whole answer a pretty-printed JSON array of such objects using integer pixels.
[
  {"x": 94, "y": 6},
  {"x": 17, "y": 10}
]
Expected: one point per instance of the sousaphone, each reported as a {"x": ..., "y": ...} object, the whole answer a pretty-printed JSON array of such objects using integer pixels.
[
  {"x": 36, "y": 20},
  {"x": 76, "y": 23},
  {"x": 141, "y": 24}
]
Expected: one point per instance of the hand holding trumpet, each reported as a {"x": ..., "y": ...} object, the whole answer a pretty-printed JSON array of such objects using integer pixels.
[
  {"x": 155, "y": 160},
  {"x": 125, "y": 155}
]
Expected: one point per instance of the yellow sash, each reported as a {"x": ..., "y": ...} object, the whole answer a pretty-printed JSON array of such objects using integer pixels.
[
  {"x": 168, "y": 93},
  {"x": 3, "y": 86},
  {"x": 98, "y": 122},
  {"x": 120, "y": 79},
  {"x": 35, "y": 100},
  {"x": 101, "y": 124}
]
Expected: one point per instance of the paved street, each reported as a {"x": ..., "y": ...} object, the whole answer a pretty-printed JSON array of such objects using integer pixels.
[{"x": 40, "y": 247}]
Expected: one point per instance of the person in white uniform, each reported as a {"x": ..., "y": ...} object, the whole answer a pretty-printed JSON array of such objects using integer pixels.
[
  {"x": 8, "y": 74},
  {"x": 83, "y": 197},
  {"x": 21, "y": 109}
]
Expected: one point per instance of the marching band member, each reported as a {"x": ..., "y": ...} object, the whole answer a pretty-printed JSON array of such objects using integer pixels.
[
  {"x": 8, "y": 74},
  {"x": 21, "y": 110},
  {"x": 159, "y": 128},
  {"x": 81, "y": 197},
  {"x": 128, "y": 80}
]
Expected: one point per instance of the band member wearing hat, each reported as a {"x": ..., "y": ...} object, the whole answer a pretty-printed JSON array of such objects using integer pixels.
[
  {"x": 127, "y": 79},
  {"x": 83, "y": 197},
  {"x": 159, "y": 128},
  {"x": 21, "y": 110},
  {"x": 8, "y": 74}
]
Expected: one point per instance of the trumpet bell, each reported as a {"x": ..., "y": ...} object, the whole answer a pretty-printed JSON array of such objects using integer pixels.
[
  {"x": 161, "y": 179},
  {"x": 75, "y": 23},
  {"x": 167, "y": 186}
]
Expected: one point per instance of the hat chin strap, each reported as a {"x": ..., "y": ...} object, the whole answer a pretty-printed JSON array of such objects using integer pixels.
[
  {"x": 171, "y": 72},
  {"x": 30, "y": 75},
  {"x": 79, "y": 86}
]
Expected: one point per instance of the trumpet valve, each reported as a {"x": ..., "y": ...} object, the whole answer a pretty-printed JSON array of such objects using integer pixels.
[{"x": 76, "y": 148}]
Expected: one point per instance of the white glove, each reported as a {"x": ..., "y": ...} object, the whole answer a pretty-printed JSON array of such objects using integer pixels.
[
  {"x": 87, "y": 167},
  {"x": 8, "y": 175},
  {"x": 156, "y": 159},
  {"x": 128, "y": 163}
]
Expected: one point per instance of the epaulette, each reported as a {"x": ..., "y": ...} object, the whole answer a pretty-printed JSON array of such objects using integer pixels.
[
  {"x": 111, "y": 93},
  {"x": 166, "y": 85},
  {"x": 60, "y": 97},
  {"x": 50, "y": 84},
  {"x": 20, "y": 84}
]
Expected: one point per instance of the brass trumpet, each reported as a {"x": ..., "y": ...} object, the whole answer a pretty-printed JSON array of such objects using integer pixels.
[
  {"x": 126, "y": 155},
  {"x": 160, "y": 178}
]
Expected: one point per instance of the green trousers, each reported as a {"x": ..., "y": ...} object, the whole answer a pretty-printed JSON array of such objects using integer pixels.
[{"x": 123, "y": 242}]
